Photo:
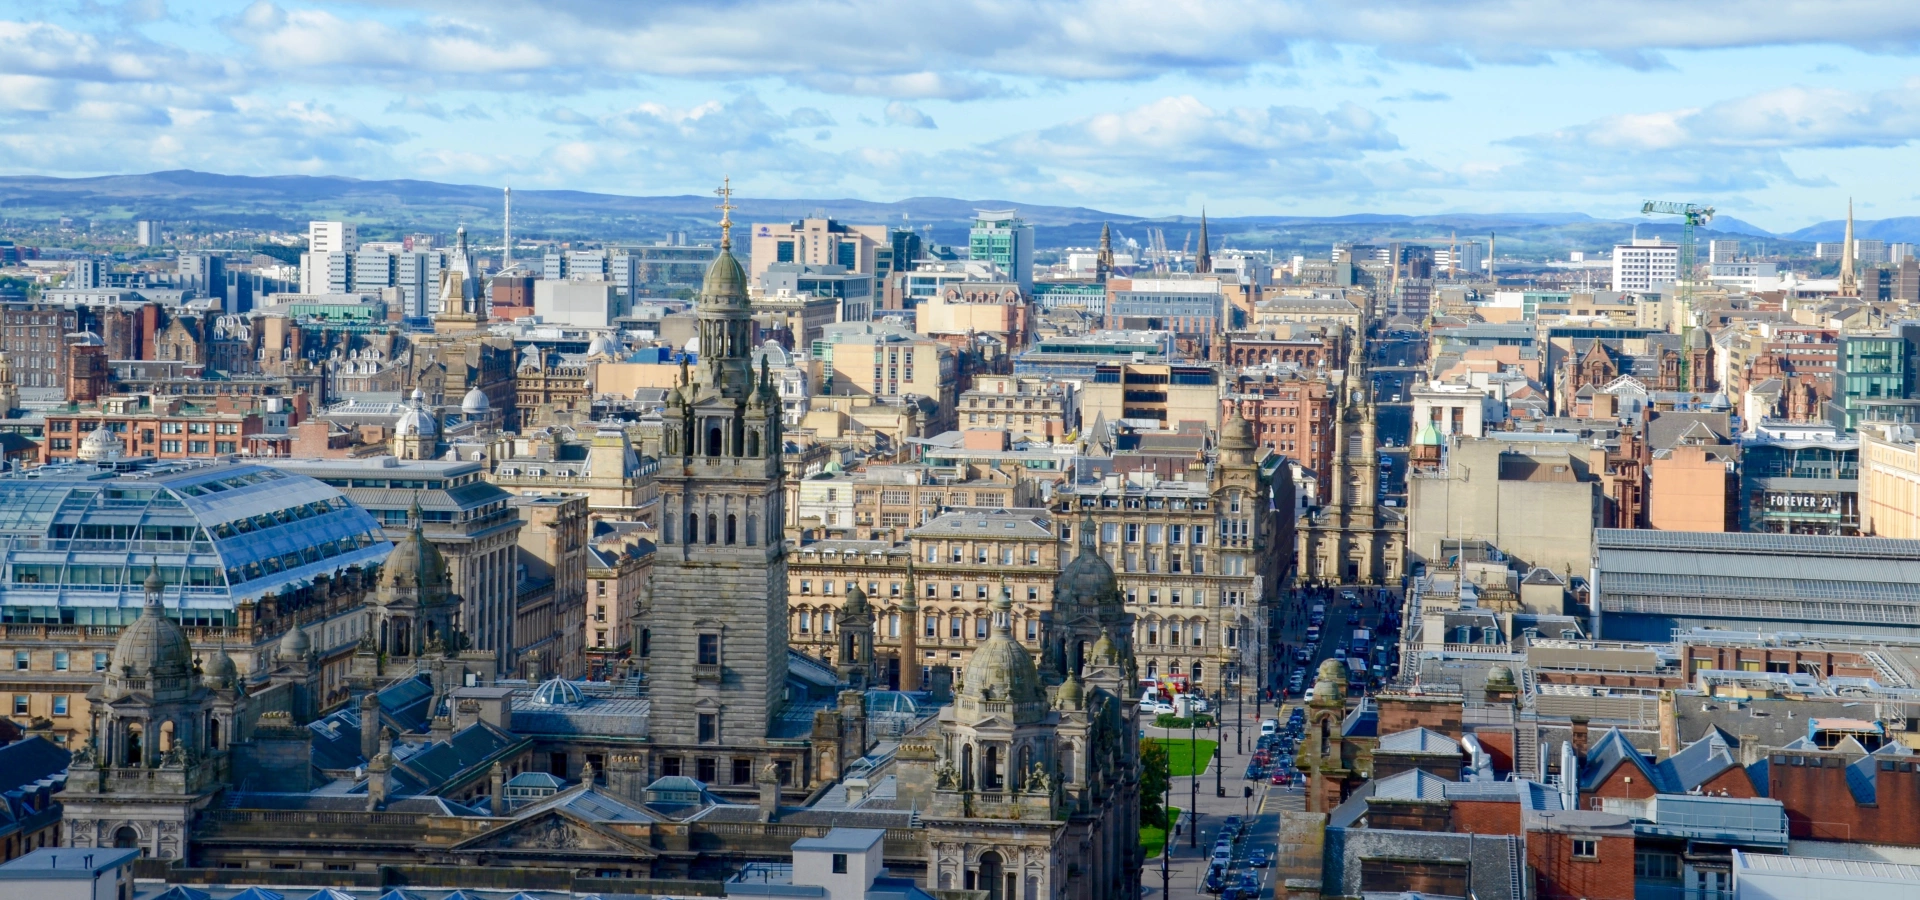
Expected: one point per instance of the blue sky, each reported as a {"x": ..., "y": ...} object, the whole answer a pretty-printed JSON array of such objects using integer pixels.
[{"x": 1772, "y": 112}]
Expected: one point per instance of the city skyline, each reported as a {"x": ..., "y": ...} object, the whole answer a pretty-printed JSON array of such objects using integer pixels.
[{"x": 1262, "y": 109}]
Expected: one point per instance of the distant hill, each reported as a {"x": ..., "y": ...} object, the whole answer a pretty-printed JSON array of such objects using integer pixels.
[
  {"x": 387, "y": 209},
  {"x": 1902, "y": 228}
]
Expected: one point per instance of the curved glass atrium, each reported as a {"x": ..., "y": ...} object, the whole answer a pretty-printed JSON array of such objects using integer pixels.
[{"x": 79, "y": 539}]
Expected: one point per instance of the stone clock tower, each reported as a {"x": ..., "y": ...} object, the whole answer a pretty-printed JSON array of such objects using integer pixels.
[{"x": 720, "y": 578}]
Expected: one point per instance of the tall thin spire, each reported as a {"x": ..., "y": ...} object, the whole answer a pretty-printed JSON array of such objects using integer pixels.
[
  {"x": 726, "y": 207},
  {"x": 1849, "y": 282},
  {"x": 1203, "y": 263}
]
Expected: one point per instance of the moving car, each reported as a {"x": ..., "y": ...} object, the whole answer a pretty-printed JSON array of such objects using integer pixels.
[
  {"x": 1269, "y": 726},
  {"x": 1259, "y": 860}
]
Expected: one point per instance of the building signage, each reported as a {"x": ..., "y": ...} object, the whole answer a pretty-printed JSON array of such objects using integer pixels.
[{"x": 1800, "y": 502}]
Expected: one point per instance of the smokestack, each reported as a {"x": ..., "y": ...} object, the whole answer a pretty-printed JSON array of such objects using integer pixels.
[{"x": 1579, "y": 737}]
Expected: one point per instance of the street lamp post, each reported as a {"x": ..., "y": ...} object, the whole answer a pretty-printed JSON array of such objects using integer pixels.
[
  {"x": 1220, "y": 747},
  {"x": 1166, "y": 848},
  {"x": 1193, "y": 790}
]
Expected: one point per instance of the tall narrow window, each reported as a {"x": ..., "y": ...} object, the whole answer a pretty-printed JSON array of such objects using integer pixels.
[{"x": 709, "y": 650}]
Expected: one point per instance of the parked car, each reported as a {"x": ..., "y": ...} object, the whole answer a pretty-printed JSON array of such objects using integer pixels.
[
  {"x": 1216, "y": 879},
  {"x": 1253, "y": 772},
  {"x": 1260, "y": 859},
  {"x": 1157, "y": 708}
]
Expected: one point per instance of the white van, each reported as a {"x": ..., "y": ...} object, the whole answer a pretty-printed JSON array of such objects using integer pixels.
[{"x": 1269, "y": 726}]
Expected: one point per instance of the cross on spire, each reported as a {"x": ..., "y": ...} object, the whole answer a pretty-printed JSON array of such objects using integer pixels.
[{"x": 726, "y": 208}]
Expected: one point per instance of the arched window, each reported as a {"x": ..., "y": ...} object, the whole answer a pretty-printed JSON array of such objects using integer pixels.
[
  {"x": 713, "y": 441},
  {"x": 753, "y": 443},
  {"x": 966, "y": 768},
  {"x": 213, "y": 732},
  {"x": 732, "y": 528},
  {"x": 990, "y": 772},
  {"x": 666, "y": 530},
  {"x": 125, "y": 838},
  {"x": 693, "y": 528},
  {"x": 751, "y": 533},
  {"x": 713, "y": 528}
]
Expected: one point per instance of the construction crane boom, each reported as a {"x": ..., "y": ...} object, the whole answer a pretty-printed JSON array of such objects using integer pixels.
[{"x": 1691, "y": 216}]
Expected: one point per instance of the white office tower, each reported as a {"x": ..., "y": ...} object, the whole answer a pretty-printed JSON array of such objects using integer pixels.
[
  {"x": 1721, "y": 251},
  {"x": 1647, "y": 264},
  {"x": 332, "y": 237}
]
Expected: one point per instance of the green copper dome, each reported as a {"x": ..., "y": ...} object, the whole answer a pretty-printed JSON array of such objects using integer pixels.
[
  {"x": 1429, "y": 436},
  {"x": 725, "y": 284},
  {"x": 1088, "y": 577},
  {"x": 1002, "y": 672},
  {"x": 856, "y": 604}
]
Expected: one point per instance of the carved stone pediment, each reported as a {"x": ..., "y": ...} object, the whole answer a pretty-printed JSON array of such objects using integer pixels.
[{"x": 549, "y": 833}]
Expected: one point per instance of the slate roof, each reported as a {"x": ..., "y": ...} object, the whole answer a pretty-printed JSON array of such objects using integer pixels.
[
  {"x": 1362, "y": 721},
  {"x": 428, "y": 768},
  {"x": 1413, "y": 784},
  {"x": 1698, "y": 762},
  {"x": 1418, "y": 740},
  {"x": 1670, "y": 428},
  {"x": 31, "y": 772},
  {"x": 352, "y": 803},
  {"x": 1862, "y": 773},
  {"x": 1610, "y": 752},
  {"x": 591, "y": 805}
]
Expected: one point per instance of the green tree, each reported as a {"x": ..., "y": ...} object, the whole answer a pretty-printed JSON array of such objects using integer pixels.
[{"x": 1155, "y": 769}]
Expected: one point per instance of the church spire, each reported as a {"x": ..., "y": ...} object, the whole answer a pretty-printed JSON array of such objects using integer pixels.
[
  {"x": 1203, "y": 263},
  {"x": 1849, "y": 282}
]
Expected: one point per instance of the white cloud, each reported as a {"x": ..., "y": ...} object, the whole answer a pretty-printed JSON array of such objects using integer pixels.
[
  {"x": 1187, "y": 135},
  {"x": 1738, "y": 144},
  {"x": 968, "y": 48},
  {"x": 901, "y": 114},
  {"x": 253, "y": 138}
]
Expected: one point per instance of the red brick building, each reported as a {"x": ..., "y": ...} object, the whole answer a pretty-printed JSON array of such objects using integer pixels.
[
  {"x": 1846, "y": 794},
  {"x": 169, "y": 427},
  {"x": 1580, "y": 854},
  {"x": 1291, "y": 416}
]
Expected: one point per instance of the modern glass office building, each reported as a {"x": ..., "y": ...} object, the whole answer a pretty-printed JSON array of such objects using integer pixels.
[{"x": 80, "y": 539}]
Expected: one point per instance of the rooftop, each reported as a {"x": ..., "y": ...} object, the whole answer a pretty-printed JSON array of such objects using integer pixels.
[
  {"x": 220, "y": 532},
  {"x": 50, "y": 862}
]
